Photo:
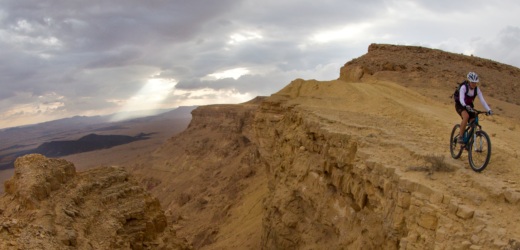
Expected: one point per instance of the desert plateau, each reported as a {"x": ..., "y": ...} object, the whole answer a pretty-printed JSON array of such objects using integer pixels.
[{"x": 357, "y": 162}]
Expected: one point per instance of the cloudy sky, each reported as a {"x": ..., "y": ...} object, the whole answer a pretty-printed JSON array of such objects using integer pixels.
[{"x": 60, "y": 58}]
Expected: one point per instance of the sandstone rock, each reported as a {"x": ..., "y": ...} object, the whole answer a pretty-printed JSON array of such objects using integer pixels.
[
  {"x": 351, "y": 74},
  {"x": 465, "y": 212},
  {"x": 102, "y": 208},
  {"x": 474, "y": 239},
  {"x": 35, "y": 177},
  {"x": 512, "y": 196},
  {"x": 427, "y": 218},
  {"x": 403, "y": 200}
]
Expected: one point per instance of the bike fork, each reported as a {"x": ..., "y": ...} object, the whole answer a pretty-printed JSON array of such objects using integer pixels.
[{"x": 477, "y": 145}]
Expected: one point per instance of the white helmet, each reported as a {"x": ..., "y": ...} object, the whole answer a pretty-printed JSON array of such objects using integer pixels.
[{"x": 472, "y": 77}]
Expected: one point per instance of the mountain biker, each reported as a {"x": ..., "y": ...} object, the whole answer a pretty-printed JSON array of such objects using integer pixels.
[{"x": 464, "y": 104}]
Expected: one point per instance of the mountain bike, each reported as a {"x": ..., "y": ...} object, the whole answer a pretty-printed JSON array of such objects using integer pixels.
[{"x": 476, "y": 142}]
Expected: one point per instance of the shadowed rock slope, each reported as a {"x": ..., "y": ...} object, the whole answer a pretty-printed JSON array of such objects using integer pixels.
[{"x": 210, "y": 179}]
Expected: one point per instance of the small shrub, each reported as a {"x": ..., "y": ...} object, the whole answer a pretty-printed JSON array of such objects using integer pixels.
[
  {"x": 434, "y": 163},
  {"x": 438, "y": 164}
]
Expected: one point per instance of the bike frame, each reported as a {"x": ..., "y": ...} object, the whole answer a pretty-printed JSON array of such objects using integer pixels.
[{"x": 470, "y": 131}]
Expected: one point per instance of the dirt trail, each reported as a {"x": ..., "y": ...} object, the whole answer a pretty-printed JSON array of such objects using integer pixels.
[{"x": 398, "y": 127}]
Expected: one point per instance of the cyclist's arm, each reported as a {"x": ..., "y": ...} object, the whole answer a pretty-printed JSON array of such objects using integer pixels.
[
  {"x": 462, "y": 95},
  {"x": 481, "y": 98}
]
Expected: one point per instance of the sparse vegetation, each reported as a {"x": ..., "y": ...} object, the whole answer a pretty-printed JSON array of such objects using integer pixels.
[{"x": 433, "y": 163}]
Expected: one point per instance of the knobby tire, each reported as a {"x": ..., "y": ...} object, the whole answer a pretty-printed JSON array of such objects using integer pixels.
[
  {"x": 479, "y": 151},
  {"x": 455, "y": 147}
]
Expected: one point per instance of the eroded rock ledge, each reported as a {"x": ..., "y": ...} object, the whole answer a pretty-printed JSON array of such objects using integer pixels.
[
  {"x": 323, "y": 194},
  {"x": 47, "y": 205}
]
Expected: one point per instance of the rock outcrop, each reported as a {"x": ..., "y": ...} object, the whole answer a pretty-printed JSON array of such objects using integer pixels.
[
  {"x": 339, "y": 174},
  {"x": 415, "y": 66},
  {"x": 47, "y": 205}
]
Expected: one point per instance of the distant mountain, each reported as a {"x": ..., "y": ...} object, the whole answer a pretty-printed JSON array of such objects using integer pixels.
[
  {"x": 84, "y": 144},
  {"x": 59, "y": 137},
  {"x": 182, "y": 111},
  {"x": 14, "y": 135}
]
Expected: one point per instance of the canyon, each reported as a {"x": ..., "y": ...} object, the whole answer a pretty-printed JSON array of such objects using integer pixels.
[{"x": 350, "y": 163}]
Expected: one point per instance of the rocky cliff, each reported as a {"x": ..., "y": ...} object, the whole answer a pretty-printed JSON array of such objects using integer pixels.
[
  {"x": 348, "y": 164},
  {"x": 47, "y": 205},
  {"x": 341, "y": 174},
  {"x": 361, "y": 162},
  {"x": 210, "y": 179}
]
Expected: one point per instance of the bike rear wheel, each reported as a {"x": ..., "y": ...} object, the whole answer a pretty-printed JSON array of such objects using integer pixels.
[
  {"x": 455, "y": 147},
  {"x": 479, "y": 151}
]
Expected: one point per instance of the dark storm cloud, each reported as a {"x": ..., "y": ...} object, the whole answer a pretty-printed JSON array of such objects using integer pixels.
[{"x": 91, "y": 35}]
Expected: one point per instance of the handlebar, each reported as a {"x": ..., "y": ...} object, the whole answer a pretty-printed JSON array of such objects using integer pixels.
[{"x": 478, "y": 112}]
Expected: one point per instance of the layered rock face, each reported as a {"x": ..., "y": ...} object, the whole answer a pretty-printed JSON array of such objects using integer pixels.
[
  {"x": 200, "y": 176},
  {"x": 47, "y": 205},
  {"x": 339, "y": 175}
]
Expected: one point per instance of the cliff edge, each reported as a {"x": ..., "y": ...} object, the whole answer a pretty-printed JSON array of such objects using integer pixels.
[
  {"x": 360, "y": 162},
  {"x": 366, "y": 165}
]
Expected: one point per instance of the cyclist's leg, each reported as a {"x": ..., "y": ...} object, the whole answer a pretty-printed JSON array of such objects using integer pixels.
[{"x": 465, "y": 117}]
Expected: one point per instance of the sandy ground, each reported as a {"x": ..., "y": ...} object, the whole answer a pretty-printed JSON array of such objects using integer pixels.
[
  {"x": 419, "y": 124},
  {"x": 397, "y": 127}
]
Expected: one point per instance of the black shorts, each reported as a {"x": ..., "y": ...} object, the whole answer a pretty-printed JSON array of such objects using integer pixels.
[{"x": 459, "y": 108}]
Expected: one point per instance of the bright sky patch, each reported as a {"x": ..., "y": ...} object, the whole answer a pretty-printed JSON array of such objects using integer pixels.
[
  {"x": 231, "y": 73},
  {"x": 352, "y": 31},
  {"x": 148, "y": 98}
]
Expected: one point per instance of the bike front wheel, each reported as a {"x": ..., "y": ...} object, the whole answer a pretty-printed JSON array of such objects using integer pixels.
[
  {"x": 479, "y": 151},
  {"x": 455, "y": 147}
]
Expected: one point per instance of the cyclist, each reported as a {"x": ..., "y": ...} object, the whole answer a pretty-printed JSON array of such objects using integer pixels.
[{"x": 464, "y": 103}]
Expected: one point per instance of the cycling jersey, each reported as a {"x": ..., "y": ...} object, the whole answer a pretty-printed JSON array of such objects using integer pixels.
[{"x": 467, "y": 97}]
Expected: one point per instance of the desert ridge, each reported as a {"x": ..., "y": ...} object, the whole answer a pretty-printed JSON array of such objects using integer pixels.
[{"x": 347, "y": 163}]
